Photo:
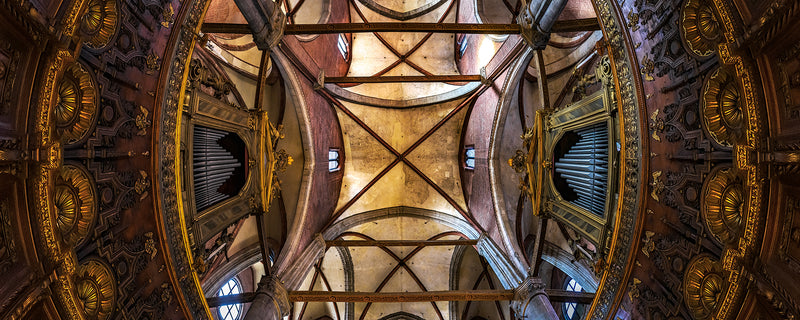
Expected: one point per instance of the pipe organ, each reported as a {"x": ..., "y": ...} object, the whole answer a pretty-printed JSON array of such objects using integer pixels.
[
  {"x": 218, "y": 163},
  {"x": 584, "y": 169},
  {"x": 573, "y": 168}
]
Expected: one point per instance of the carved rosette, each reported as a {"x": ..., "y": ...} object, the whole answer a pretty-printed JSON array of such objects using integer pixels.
[
  {"x": 96, "y": 290},
  {"x": 99, "y": 22},
  {"x": 75, "y": 204},
  {"x": 723, "y": 108},
  {"x": 723, "y": 205},
  {"x": 75, "y": 109},
  {"x": 703, "y": 287},
  {"x": 700, "y": 27}
]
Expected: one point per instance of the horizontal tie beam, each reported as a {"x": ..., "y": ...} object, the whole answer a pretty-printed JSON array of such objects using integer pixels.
[
  {"x": 458, "y": 295},
  {"x": 398, "y": 243},
  {"x": 590, "y": 24},
  {"x": 394, "y": 79},
  {"x": 230, "y": 299},
  {"x": 556, "y": 295},
  {"x": 463, "y": 295}
]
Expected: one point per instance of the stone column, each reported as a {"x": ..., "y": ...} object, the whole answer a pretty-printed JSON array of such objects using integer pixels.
[
  {"x": 536, "y": 20},
  {"x": 266, "y": 21},
  {"x": 531, "y": 301},
  {"x": 271, "y": 301}
]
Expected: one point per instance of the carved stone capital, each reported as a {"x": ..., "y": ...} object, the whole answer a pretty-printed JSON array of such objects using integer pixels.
[
  {"x": 271, "y": 301},
  {"x": 269, "y": 36},
  {"x": 530, "y": 300},
  {"x": 266, "y": 21},
  {"x": 530, "y": 30}
]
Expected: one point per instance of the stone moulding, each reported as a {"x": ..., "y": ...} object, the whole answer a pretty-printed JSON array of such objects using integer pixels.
[
  {"x": 618, "y": 264},
  {"x": 172, "y": 228},
  {"x": 402, "y": 16}
]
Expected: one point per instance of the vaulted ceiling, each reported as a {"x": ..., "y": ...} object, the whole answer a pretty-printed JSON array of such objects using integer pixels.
[{"x": 99, "y": 99}]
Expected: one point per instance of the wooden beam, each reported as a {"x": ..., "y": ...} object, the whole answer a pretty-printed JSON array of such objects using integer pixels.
[
  {"x": 556, "y": 295},
  {"x": 262, "y": 239},
  {"x": 460, "y": 295},
  {"x": 388, "y": 79},
  {"x": 576, "y": 25},
  {"x": 398, "y": 243},
  {"x": 294, "y": 29},
  {"x": 461, "y": 28},
  {"x": 536, "y": 260},
  {"x": 544, "y": 92},
  {"x": 230, "y": 299}
]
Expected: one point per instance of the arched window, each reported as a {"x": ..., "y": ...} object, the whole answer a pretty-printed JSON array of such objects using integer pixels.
[
  {"x": 333, "y": 160},
  {"x": 344, "y": 48},
  {"x": 571, "y": 308},
  {"x": 469, "y": 157},
  {"x": 230, "y": 311}
]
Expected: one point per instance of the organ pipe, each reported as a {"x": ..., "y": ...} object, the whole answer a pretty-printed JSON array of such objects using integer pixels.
[
  {"x": 213, "y": 164},
  {"x": 584, "y": 167}
]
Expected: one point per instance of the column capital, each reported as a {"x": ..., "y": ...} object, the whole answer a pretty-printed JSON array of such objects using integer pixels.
[
  {"x": 271, "y": 300},
  {"x": 531, "y": 301},
  {"x": 531, "y": 31},
  {"x": 266, "y": 21}
]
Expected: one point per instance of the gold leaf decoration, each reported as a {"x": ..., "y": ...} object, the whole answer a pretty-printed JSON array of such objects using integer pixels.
[
  {"x": 99, "y": 22},
  {"x": 75, "y": 108},
  {"x": 703, "y": 287},
  {"x": 723, "y": 113},
  {"x": 700, "y": 27},
  {"x": 96, "y": 289},
  {"x": 75, "y": 204},
  {"x": 723, "y": 205}
]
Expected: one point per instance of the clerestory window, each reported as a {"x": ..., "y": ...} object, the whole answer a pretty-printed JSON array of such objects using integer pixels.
[
  {"x": 230, "y": 311},
  {"x": 469, "y": 158},
  {"x": 570, "y": 308},
  {"x": 333, "y": 160}
]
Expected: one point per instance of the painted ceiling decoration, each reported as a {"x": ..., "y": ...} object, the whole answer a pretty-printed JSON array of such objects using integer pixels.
[{"x": 417, "y": 159}]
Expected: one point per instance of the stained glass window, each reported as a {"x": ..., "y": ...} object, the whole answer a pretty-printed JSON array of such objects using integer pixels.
[
  {"x": 571, "y": 307},
  {"x": 230, "y": 311},
  {"x": 469, "y": 158}
]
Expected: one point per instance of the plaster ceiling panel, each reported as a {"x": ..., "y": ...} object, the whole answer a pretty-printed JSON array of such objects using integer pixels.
[
  {"x": 334, "y": 270},
  {"x": 402, "y": 127},
  {"x": 333, "y": 280},
  {"x": 401, "y": 7},
  {"x": 438, "y": 157},
  {"x": 578, "y": 9},
  {"x": 469, "y": 269},
  {"x": 310, "y": 12},
  {"x": 364, "y": 158},
  {"x": 292, "y": 143},
  {"x": 507, "y": 179},
  {"x": 436, "y": 54},
  {"x": 369, "y": 55},
  {"x": 223, "y": 11},
  {"x": 403, "y": 282},
  {"x": 370, "y": 266},
  {"x": 491, "y": 11},
  {"x": 432, "y": 266},
  {"x": 403, "y": 228},
  {"x": 401, "y": 186},
  {"x": 404, "y": 5},
  {"x": 247, "y": 236},
  {"x": 402, "y": 91}
]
